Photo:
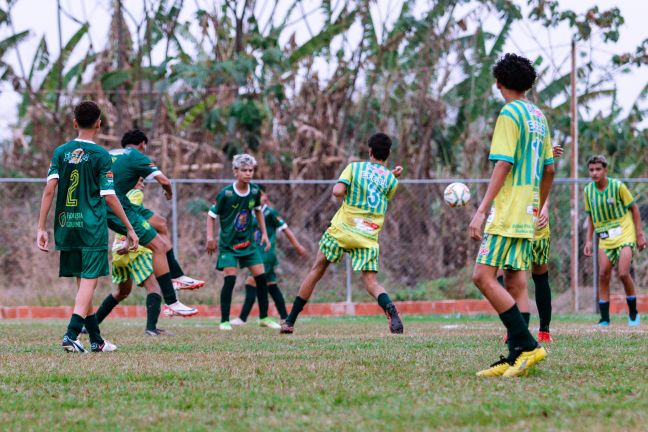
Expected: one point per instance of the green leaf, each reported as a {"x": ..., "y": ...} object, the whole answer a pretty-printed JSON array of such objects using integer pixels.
[
  {"x": 323, "y": 39},
  {"x": 41, "y": 58},
  {"x": 112, "y": 80},
  {"x": 51, "y": 80},
  {"x": 12, "y": 41}
]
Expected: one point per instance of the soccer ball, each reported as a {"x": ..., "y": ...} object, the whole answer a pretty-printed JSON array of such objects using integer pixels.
[{"x": 456, "y": 195}]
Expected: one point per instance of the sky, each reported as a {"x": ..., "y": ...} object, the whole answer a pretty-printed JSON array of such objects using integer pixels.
[{"x": 532, "y": 40}]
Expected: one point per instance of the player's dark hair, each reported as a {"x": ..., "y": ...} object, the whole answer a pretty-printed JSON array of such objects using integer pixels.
[
  {"x": 133, "y": 136},
  {"x": 515, "y": 72},
  {"x": 597, "y": 159},
  {"x": 86, "y": 114},
  {"x": 380, "y": 145}
]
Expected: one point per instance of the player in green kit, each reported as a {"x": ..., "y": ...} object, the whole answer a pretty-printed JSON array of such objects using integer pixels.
[
  {"x": 129, "y": 165},
  {"x": 234, "y": 207},
  {"x": 82, "y": 171},
  {"x": 366, "y": 189},
  {"x": 518, "y": 188},
  {"x": 614, "y": 217},
  {"x": 274, "y": 224}
]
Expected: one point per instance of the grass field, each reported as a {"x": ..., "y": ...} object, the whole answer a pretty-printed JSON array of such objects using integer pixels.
[{"x": 333, "y": 374}]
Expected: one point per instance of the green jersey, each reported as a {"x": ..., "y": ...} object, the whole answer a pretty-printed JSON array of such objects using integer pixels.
[
  {"x": 274, "y": 223},
  {"x": 370, "y": 186},
  {"x": 235, "y": 211},
  {"x": 84, "y": 173},
  {"x": 129, "y": 164}
]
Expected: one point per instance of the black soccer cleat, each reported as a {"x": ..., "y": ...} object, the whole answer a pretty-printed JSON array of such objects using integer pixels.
[
  {"x": 395, "y": 323},
  {"x": 72, "y": 346},
  {"x": 287, "y": 328}
]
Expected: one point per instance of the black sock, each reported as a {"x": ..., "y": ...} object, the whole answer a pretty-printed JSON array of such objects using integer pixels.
[
  {"x": 527, "y": 318},
  {"x": 383, "y": 301},
  {"x": 92, "y": 326},
  {"x": 174, "y": 265},
  {"x": 278, "y": 299},
  {"x": 262, "y": 294},
  {"x": 604, "y": 306},
  {"x": 632, "y": 306},
  {"x": 297, "y": 307},
  {"x": 226, "y": 297},
  {"x": 500, "y": 279},
  {"x": 543, "y": 299},
  {"x": 519, "y": 337},
  {"x": 166, "y": 286},
  {"x": 250, "y": 298},
  {"x": 153, "y": 302},
  {"x": 75, "y": 326},
  {"x": 106, "y": 307}
]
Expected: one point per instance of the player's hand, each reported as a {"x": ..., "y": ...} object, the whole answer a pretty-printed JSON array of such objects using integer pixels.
[
  {"x": 301, "y": 251},
  {"x": 587, "y": 250},
  {"x": 168, "y": 195},
  {"x": 641, "y": 241},
  {"x": 266, "y": 242},
  {"x": 557, "y": 151},
  {"x": 543, "y": 219},
  {"x": 397, "y": 171},
  {"x": 211, "y": 246},
  {"x": 133, "y": 240},
  {"x": 42, "y": 240},
  {"x": 476, "y": 224}
]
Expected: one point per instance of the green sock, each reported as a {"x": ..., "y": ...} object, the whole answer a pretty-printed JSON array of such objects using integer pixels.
[
  {"x": 166, "y": 286},
  {"x": 153, "y": 302},
  {"x": 278, "y": 299},
  {"x": 106, "y": 307},
  {"x": 75, "y": 326},
  {"x": 383, "y": 301},
  {"x": 298, "y": 306},
  {"x": 93, "y": 330}
]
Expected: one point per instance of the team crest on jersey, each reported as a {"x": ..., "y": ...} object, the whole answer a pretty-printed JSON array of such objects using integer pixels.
[
  {"x": 77, "y": 156},
  {"x": 62, "y": 219},
  {"x": 242, "y": 220},
  {"x": 610, "y": 201},
  {"x": 250, "y": 205},
  {"x": 228, "y": 193}
]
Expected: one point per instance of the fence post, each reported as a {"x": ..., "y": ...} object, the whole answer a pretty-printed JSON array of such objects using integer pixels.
[
  {"x": 595, "y": 282},
  {"x": 350, "y": 310},
  {"x": 174, "y": 215}
]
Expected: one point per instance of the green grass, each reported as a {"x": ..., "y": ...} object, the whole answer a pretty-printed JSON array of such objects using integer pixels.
[{"x": 333, "y": 374}]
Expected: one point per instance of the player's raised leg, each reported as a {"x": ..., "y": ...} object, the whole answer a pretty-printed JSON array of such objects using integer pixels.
[{"x": 370, "y": 282}]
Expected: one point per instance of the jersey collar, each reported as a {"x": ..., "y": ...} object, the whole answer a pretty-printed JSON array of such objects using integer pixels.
[
  {"x": 236, "y": 191},
  {"x": 85, "y": 141}
]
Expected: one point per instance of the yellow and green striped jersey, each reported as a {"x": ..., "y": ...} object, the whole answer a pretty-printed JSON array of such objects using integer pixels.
[
  {"x": 607, "y": 207},
  {"x": 370, "y": 186},
  {"x": 521, "y": 138}
]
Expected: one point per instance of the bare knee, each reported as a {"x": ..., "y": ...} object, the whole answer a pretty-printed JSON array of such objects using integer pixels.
[
  {"x": 157, "y": 245},
  {"x": 369, "y": 281}
]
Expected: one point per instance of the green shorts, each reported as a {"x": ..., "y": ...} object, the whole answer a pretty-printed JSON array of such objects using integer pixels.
[
  {"x": 143, "y": 229},
  {"x": 248, "y": 257},
  {"x": 84, "y": 264},
  {"x": 614, "y": 254},
  {"x": 362, "y": 259},
  {"x": 540, "y": 254},
  {"x": 508, "y": 253},
  {"x": 139, "y": 269},
  {"x": 146, "y": 213}
]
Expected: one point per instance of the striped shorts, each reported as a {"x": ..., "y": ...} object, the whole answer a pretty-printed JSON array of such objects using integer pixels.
[
  {"x": 540, "y": 253},
  {"x": 362, "y": 259},
  {"x": 138, "y": 268},
  {"x": 508, "y": 253},
  {"x": 614, "y": 254}
]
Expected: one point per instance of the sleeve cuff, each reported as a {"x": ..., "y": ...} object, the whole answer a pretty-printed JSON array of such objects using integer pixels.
[
  {"x": 52, "y": 177},
  {"x": 630, "y": 204},
  {"x": 153, "y": 174},
  {"x": 282, "y": 227},
  {"x": 212, "y": 214},
  {"x": 107, "y": 192},
  {"x": 549, "y": 161},
  {"x": 500, "y": 157},
  {"x": 258, "y": 208},
  {"x": 345, "y": 181}
]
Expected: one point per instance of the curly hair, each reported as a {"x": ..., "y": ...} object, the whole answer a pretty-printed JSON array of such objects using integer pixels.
[
  {"x": 515, "y": 72},
  {"x": 597, "y": 159},
  {"x": 86, "y": 114},
  {"x": 243, "y": 159},
  {"x": 134, "y": 136},
  {"x": 380, "y": 145}
]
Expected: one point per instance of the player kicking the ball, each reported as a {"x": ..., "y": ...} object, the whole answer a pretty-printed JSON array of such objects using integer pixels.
[
  {"x": 518, "y": 188},
  {"x": 366, "y": 188}
]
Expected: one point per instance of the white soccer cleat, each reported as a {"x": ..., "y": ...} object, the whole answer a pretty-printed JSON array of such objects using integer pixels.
[
  {"x": 72, "y": 346},
  {"x": 106, "y": 346},
  {"x": 237, "y": 322},
  {"x": 225, "y": 326},
  {"x": 187, "y": 283},
  {"x": 269, "y": 323},
  {"x": 179, "y": 309}
]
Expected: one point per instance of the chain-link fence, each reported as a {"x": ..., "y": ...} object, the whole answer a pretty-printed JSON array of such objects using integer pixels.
[{"x": 426, "y": 253}]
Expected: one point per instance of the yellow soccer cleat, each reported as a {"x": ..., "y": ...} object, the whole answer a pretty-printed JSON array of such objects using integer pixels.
[
  {"x": 496, "y": 369},
  {"x": 524, "y": 361}
]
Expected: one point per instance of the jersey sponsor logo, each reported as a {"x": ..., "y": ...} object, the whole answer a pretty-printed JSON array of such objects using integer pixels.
[
  {"x": 241, "y": 245},
  {"x": 242, "y": 220},
  {"x": 375, "y": 175},
  {"x": 365, "y": 225},
  {"x": 70, "y": 220},
  {"x": 250, "y": 205},
  {"x": 76, "y": 156}
]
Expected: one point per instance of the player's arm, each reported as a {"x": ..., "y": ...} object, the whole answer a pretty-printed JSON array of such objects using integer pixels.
[
  {"x": 116, "y": 207},
  {"x": 211, "y": 238},
  {"x": 636, "y": 218},
  {"x": 548, "y": 174},
  {"x": 293, "y": 241},
  {"x": 165, "y": 183},
  {"x": 543, "y": 219},
  {"x": 262, "y": 227},
  {"x": 500, "y": 172},
  {"x": 339, "y": 190},
  {"x": 587, "y": 250},
  {"x": 42, "y": 238}
]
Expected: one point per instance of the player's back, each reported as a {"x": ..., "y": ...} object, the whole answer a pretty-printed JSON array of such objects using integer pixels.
[
  {"x": 370, "y": 186},
  {"x": 129, "y": 164},
  {"x": 84, "y": 174}
]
